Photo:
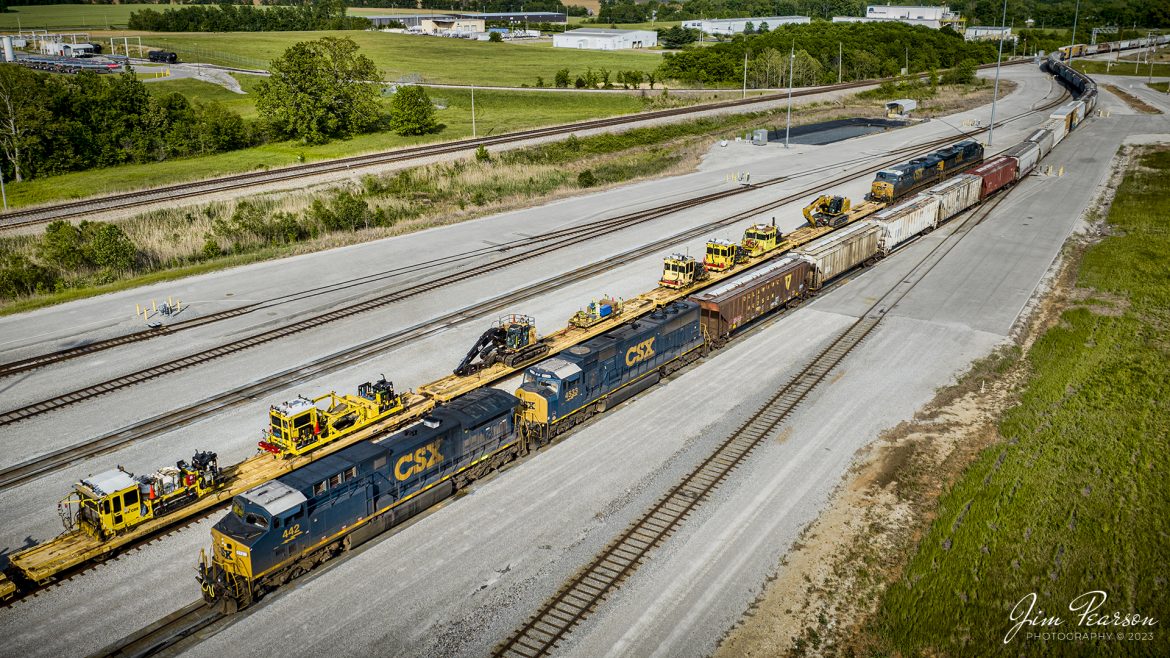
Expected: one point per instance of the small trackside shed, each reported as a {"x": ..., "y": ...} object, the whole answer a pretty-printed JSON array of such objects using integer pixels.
[{"x": 744, "y": 298}]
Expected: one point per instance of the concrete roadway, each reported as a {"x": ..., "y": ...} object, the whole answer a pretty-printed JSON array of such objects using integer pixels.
[{"x": 146, "y": 585}]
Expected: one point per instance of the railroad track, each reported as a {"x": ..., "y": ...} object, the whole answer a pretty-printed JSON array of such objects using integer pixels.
[
  {"x": 581, "y": 595},
  {"x": 43, "y": 214},
  {"x": 164, "y": 633},
  {"x": 60, "y": 458}
]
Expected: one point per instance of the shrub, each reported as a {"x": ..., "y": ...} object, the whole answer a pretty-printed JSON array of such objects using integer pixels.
[
  {"x": 586, "y": 178},
  {"x": 482, "y": 155},
  {"x": 411, "y": 112},
  {"x": 20, "y": 277}
]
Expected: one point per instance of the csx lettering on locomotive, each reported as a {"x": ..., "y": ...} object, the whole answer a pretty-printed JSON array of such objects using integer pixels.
[
  {"x": 640, "y": 352},
  {"x": 417, "y": 461}
]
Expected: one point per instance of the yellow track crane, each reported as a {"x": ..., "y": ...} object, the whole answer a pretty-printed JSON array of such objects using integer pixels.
[
  {"x": 680, "y": 271},
  {"x": 105, "y": 504},
  {"x": 511, "y": 340},
  {"x": 827, "y": 211},
  {"x": 301, "y": 425}
]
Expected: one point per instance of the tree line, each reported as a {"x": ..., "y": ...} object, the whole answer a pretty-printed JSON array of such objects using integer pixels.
[
  {"x": 52, "y": 124},
  {"x": 869, "y": 50},
  {"x": 320, "y": 15}
]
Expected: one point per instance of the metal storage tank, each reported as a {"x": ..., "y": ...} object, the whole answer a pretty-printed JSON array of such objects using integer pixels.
[
  {"x": 905, "y": 220},
  {"x": 956, "y": 195},
  {"x": 1043, "y": 138},
  {"x": 752, "y": 294},
  {"x": 1026, "y": 155},
  {"x": 840, "y": 251},
  {"x": 996, "y": 173}
]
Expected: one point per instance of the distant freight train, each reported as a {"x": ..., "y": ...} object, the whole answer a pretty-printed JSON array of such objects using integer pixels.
[{"x": 283, "y": 528}]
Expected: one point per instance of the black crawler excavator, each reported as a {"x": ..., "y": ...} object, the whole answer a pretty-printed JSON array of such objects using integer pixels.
[{"x": 511, "y": 341}]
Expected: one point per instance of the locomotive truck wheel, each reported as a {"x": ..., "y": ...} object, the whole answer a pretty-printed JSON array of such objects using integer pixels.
[{"x": 228, "y": 605}]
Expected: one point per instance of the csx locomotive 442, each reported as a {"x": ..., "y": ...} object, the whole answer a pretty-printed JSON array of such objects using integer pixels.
[
  {"x": 901, "y": 180},
  {"x": 285, "y": 527}
]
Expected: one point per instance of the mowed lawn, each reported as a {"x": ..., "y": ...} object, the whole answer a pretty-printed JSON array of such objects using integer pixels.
[
  {"x": 433, "y": 59},
  {"x": 495, "y": 112},
  {"x": 1075, "y": 499},
  {"x": 73, "y": 16}
]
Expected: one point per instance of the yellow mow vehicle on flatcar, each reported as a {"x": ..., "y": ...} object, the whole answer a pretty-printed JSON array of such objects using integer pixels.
[
  {"x": 105, "y": 504},
  {"x": 680, "y": 271},
  {"x": 722, "y": 255},
  {"x": 300, "y": 425},
  {"x": 759, "y": 239}
]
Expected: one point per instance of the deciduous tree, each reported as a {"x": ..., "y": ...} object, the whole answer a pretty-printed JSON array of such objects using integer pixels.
[
  {"x": 411, "y": 111},
  {"x": 320, "y": 90}
]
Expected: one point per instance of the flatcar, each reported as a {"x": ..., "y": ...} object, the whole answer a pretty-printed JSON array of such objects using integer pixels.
[
  {"x": 284, "y": 527},
  {"x": 901, "y": 180}
]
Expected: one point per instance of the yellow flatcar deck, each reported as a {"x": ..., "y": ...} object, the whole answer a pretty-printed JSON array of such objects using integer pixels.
[
  {"x": 44, "y": 561},
  {"x": 7, "y": 587}
]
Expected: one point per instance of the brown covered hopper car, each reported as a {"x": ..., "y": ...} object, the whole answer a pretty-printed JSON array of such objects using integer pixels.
[{"x": 744, "y": 298}]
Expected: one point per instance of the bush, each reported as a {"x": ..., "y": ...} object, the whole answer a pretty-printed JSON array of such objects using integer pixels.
[
  {"x": 61, "y": 246},
  {"x": 346, "y": 211},
  {"x": 586, "y": 178},
  {"x": 562, "y": 79},
  {"x": 496, "y": 37},
  {"x": 411, "y": 112},
  {"x": 20, "y": 277},
  {"x": 962, "y": 74},
  {"x": 482, "y": 155},
  {"x": 110, "y": 247}
]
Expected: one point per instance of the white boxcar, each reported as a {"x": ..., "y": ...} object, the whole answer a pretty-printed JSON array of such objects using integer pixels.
[
  {"x": 1079, "y": 112},
  {"x": 1043, "y": 138},
  {"x": 1026, "y": 155},
  {"x": 1067, "y": 115},
  {"x": 956, "y": 195},
  {"x": 1058, "y": 129},
  {"x": 840, "y": 251},
  {"x": 905, "y": 220}
]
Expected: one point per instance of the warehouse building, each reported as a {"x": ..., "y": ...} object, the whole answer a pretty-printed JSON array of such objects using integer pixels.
[
  {"x": 728, "y": 26},
  {"x": 596, "y": 38},
  {"x": 426, "y": 20},
  {"x": 932, "y": 17},
  {"x": 988, "y": 33}
]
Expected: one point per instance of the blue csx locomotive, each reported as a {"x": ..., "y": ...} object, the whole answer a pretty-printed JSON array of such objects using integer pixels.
[
  {"x": 565, "y": 390},
  {"x": 284, "y": 527},
  {"x": 898, "y": 181}
]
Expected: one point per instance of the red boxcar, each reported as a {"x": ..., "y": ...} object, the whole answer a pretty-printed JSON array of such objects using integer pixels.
[{"x": 996, "y": 173}]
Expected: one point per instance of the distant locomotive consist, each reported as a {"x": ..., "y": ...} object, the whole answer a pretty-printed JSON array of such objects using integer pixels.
[
  {"x": 287, "y": 526},
  {"x": 901, "y": 180}
]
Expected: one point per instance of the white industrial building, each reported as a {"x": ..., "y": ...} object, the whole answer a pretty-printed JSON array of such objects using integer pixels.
[
  {"x": 925, "y": 22},
  {"x": 932, "y": 17},
  {"x": 60, "y": 49},
  {"x": 988, "y": 33},
  {"x": 730, "y": 26},
  {"x": 596, "y": 38}
]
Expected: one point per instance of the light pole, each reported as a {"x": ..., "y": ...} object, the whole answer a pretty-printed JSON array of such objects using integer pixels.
[
  {"x": 745, "y": 54},
  {"x": 1076, "y": 15},
  {"x": 473, "y": 111},
  {"x": 995, "y": 93},
  {"x": 791, "y": 62},
  {"x": 3, "y": 192}
]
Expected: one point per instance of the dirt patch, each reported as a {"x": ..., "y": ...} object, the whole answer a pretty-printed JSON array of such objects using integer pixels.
[
  {"x": 831, "y": 580},
  {"x": 1132, "y": 101}
]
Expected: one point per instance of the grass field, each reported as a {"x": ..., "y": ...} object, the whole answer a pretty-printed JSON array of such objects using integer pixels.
[
  {"x": 199, "y": 90},
  {"x": 1120, "y": 68},
  {"x": 55, "y": 17},
  {"x": 433, "y": 59},
  {"x": 1074, "y": 499},
  {"x": 495, "y": 112}
]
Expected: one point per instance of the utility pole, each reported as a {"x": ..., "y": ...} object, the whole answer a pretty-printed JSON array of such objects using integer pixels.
[
  {"x": 840, "y": 62},
  {"x": 745, "y": 54},
  {"x": 907, "y": 59},
  {"x": 473, "y": 111},
  {"x": 995, "y": 94},
  {"x": 3, "y": 192},
  {"x": 1137, "y": 60},
  {"x": 1076, "y": 15},
  {"x": 791, "y": 63},
  {"x": 1151, "y": 59}
]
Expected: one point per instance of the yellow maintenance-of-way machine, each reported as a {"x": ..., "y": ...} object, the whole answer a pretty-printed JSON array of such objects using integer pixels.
[
  {"x": 303, "y": 425},
  {"x": 103, "y": 505}
]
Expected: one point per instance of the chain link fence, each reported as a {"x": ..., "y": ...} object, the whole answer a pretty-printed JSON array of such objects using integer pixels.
[{"x": 189, "y": 54}]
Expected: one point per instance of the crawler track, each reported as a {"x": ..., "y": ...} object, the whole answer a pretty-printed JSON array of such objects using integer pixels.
[
  {"x": 164, "y": 633},
  {"x": 580, "y": 596}
]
